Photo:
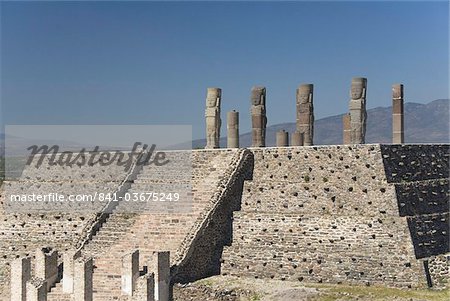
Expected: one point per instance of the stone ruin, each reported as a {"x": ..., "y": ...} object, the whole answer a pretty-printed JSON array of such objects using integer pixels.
[
  {"x": 366, "y": 214},
  {"x": 398, "y": 135},
  {"x": 212, "y": 116}
]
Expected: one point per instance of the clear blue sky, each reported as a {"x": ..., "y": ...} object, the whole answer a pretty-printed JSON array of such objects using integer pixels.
[{"x": 151, "y": 62}]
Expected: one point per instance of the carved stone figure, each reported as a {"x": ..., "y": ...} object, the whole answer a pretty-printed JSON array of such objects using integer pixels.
[
  {"x": 212, "y": 115},
  {"x": 305, "y": 113},
  {"x": 398, "y": 135},
  {"x": 259, "y": 119},
  {"x": 358, "y": 114},
  {"x": 233, "y": 129}
]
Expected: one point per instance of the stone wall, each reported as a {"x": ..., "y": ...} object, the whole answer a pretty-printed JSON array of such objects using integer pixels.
[
  {"x": 420, "y": 176},
  {"x": 331, "y": 214},
  {"x": 370, "y": 214},
  {"x": 200, "y": 253},
  {"x": 22, "y": 230}
]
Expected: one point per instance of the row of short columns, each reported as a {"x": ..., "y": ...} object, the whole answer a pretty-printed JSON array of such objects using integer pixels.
[
  {"x": 354, "y": 122},
  {"x": 78, "y": 277},
  {"x": 154, "y": 285}
]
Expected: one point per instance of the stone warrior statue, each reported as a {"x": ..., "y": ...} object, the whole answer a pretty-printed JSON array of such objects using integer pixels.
[
  {"x": 212, "y": 114},
  {"x": 259, "y": 119},
  {"x": 305, "y": 113},
  {"x": 358, "y": 114}
]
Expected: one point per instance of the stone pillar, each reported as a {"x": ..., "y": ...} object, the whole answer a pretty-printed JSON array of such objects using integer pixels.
[
  {"x": 297, "y": 138},
  {"x": 358, "y": 114},
  {"x": 130, "y": 272},
  {"x": 82, "y": 284},
  {"x": 46, "y": 265},
  {"x": 20, "y": 274},
  {"x": 259, "y": 118},
  {"x": 398, "y": 135},
  {"x": 160, "y": 265},
  {"x": 305, "y": 112},
  {"x": 347, "y": 137},
  {"x": 145, "y": 288},
  {"x": 233, "y": 129},
  {"x": 37, "y": 289},
  {"x": 282, "y": 138},
  {"x": 69, "y": 258},
  {"x": 212, "y": 115}
]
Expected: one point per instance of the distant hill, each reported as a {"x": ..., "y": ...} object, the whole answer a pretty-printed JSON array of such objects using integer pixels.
[{"x": 424, "y": 123}]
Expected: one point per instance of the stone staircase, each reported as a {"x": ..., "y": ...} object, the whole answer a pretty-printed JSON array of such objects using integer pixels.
[{"x": 164, "y": 229}]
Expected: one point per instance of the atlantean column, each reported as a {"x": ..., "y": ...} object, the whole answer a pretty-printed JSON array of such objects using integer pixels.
[
  {"x": 398, "y": 135},
  {"x": 259, "y": 119},
  {"x": 233, "y": 129},
  {"x": 212, "y": 115},
  {"x": 305, "y": 112},
  {"x": 358, "y": 114},
  {"x": 347, "y": 137}
]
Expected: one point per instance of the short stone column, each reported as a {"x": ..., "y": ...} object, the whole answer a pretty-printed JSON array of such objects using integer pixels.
[
  {"x": 398, "y": 135},
  {"x": 20, "y": 274},
  {"x": 69, "y": 258},
  {"x": 82, "y": 282},
  {"x": 37, "y": 289},
  {"x": 46, "y": 265},
  {"x": 233, "y": 129},
  {"x": 282, "y": 138},
  {"x": 145, "y": 288},
  {"x": 296, "y": 139},
  {"x": 130, "y": 272},
  {"x": 160, "y": 265},
  {"x": 346, "y": 131}
]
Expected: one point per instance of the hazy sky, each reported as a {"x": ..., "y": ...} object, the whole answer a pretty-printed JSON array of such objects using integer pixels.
[{"x": 151, "y": 62}]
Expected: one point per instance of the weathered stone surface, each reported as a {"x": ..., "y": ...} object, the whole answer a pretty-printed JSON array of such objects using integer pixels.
[
  {"x": 160, "y": 265},
  {"x": 305, "y": 113},
  {"x": 37, "y": 289},
  {"x": 83, "y": 288},
  {"x": 358, "y": 114},
  {"x": 347, "y": 130},
  {"x": 20, "y": 274},
  {"x": 398, "y": 130},
  {"x": 145, "y": 288},
  {"x": 439, "y": 270},
  {"x": 259, "y": 118},
  {"x": 296, "y": 139},
  {"x": 282, "y": 138},
  {"x": 212, "y": 115},
  {"x": 356, "y": 214},
  {"x": 130, "y": 272},
  {"x": 69, "y": 258},
  {"x": 46, "y": 267},
  {"x": 233, "y": 129}
]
